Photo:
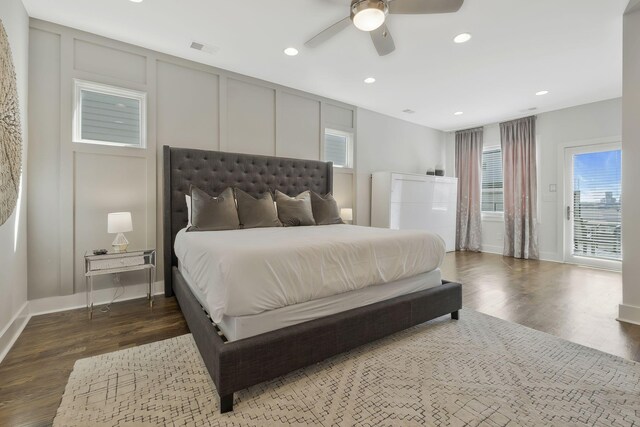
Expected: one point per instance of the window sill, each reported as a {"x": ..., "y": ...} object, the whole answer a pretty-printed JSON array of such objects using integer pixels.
[
  {"x": 340, "y": 169},
  {"x": 493, "y": 216}
]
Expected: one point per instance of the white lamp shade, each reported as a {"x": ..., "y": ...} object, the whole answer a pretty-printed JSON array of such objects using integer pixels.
[
  {"x": 119, "y": 222},
  {"x": 346, "y": 214}
]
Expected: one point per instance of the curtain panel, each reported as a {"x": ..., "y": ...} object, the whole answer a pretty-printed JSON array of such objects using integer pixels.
[
  {"x": 518, "y": 140},
  {"x": 469, "y": 173}
]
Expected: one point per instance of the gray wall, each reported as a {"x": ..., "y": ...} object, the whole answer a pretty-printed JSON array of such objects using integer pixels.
[
  {"x": 74, "y": 186},
  {"x": 13, "y": 233},
  {"x": 389, "y": 144}
]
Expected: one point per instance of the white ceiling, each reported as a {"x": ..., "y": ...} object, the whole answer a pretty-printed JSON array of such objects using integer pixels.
[{"x": 573, "y": 48}]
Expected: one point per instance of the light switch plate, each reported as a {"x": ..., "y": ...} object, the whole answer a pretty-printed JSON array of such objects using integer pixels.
[{"x": 553, "y": 188}]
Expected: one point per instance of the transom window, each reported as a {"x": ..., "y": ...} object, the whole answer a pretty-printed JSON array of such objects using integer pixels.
[
  {"x": 492, "y": 186},
  {"x": 338, "y": 148},
  {"x": 109, "y": 115}
]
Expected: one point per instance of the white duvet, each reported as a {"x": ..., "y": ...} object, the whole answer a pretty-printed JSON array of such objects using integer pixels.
[{"x": 242, "y": 272}]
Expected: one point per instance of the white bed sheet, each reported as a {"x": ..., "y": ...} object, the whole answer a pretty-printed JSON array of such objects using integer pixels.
[
  {"x": 240, "y": 327},
  {"x": 247, "y": 272}
]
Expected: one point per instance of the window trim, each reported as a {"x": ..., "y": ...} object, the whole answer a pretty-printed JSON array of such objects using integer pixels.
[
  {"x": 80, "y": 85},
  {"x": 495, "y": 216},
  {"x": 350, "y": 138},
  {"x": 492, "y": 216}
]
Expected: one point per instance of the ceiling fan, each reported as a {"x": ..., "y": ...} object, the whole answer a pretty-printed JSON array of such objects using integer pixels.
[{"x": 370, "y": 15}]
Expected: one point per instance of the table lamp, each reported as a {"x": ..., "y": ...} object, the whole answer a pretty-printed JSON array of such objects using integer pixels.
[
  {"x": 119, "y": 222},
  {"x": 346, "y": 214}
]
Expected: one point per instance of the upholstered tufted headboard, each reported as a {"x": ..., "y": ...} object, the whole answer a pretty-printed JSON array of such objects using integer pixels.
[{"x": 213, "y": 171}]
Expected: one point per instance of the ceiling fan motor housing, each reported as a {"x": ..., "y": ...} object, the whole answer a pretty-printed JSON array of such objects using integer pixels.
[{"x": 358, "y": 6}]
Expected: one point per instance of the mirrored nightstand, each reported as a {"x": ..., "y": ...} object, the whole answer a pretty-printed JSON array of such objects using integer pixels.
[{"x": 118, "y": 262}]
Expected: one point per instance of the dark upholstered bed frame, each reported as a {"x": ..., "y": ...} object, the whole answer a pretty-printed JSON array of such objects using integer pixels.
[{"x": 240, "y": 364}]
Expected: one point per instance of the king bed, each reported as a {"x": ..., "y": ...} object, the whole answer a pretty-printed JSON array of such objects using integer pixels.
[{"x": 263, "y": 302}]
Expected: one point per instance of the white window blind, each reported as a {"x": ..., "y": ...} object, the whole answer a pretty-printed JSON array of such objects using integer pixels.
[
  {"x": 492, "y": 190},
  {"x": 109, "y": 115},
  {"x": 337, "y": 148},
  {"x": 597, "y": 218}
]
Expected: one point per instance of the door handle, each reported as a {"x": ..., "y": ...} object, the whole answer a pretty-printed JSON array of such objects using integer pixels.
[{"x": 568, "y": 213}]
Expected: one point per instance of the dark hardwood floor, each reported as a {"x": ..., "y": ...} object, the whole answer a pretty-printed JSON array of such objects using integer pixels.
[
  {"x": 579, "y": 304},
  {"x": 575, "y": 303},
  {"x": 35, "y": 372}
]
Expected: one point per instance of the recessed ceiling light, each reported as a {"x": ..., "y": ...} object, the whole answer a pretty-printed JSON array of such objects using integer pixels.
[
  {"x": 408, "y": 111},
  {"x": 542, "y": 92},
  {"x": 458, "y": 113},
  {"x": 369, "y": 80},
  {"x": 462, "y": 38},
  {"x": 291, "y": 51},
  {"x": 136, "y": 1}
]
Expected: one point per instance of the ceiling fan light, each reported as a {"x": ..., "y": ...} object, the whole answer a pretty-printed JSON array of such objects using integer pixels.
[
  {"x": 367, "y": 15},
  {"x": 368, "y": 19}
]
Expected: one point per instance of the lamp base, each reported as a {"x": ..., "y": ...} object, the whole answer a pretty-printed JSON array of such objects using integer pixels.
[{"x": 120, "y": 243}]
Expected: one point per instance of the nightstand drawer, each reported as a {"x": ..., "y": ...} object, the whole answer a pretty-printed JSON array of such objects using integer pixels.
[{"x": 107, "y": 264}]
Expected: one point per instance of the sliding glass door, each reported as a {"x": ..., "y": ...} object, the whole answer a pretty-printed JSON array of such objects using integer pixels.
[{"x": 593, "y": 197}]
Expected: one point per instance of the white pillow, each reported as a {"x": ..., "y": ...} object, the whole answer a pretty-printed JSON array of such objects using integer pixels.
[{"x": 187, "y": 199}]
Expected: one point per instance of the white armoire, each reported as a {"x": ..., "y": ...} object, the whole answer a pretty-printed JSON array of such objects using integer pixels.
[{"x": 412, "y": 201}]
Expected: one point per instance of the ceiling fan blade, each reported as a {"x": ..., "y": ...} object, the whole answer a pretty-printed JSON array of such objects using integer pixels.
[
  {"x": 382, "y": 40},
  {"x": 413, "y": 7},
  {"x": 325, "y": 35}
]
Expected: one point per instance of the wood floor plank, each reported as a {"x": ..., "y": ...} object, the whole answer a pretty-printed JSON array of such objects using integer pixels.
[
  {"x": 35, "y": 372},
  {"x": 576, "y": 303}
]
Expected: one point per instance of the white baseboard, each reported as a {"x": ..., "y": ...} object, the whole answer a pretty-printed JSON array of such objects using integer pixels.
[
  {"x": 551, "y": 256},
  {"x": 492, "y": 249},
  {"x": 63, "y": 303},
  {"x": 12, "y": 331},
  {"x": 544, "y": 256},
  {"x": 78, "y": 300},
  {"x": 629, "y": 314}
]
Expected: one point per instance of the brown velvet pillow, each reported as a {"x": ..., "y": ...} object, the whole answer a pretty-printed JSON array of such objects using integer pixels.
[
  {"x": 254, "y": 213},
  {"x": 213, "y": 213},
  {"x": 325, "y": 209},
  {"x": 294, "y": 211}
]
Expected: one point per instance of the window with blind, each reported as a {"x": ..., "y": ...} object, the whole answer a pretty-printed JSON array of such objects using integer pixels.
[
  {"x": 109, "y": 115},
  {"x": 338, "y": 148},
  {"x": 492, "y": 191},
  {"x": 597, "y": 214}
]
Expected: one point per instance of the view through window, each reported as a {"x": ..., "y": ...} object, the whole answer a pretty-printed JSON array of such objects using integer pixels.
[{"x": 597, "y": 217}]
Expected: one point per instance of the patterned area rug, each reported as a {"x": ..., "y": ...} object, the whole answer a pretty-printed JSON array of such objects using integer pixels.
[{"x": 478, "y": 371}]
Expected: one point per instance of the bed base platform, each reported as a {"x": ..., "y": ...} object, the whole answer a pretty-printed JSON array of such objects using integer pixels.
[{"x": 236, "y": 365}]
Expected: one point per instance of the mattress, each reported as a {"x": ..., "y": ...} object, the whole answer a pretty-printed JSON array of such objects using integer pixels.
[
  {"x": 240, "y": 327},
  {"x": 247, "y": 272}
]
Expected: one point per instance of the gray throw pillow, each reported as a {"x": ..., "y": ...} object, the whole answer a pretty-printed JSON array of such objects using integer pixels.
[
  {"x": 254, "y": 213},
  {"x": 213, "y": 213},
  {"x": 325, "y": 209},
  {"x": 294, "y": 211}
]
